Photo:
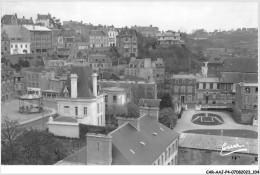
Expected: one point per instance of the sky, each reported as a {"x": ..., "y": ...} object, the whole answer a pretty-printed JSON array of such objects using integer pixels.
[{"x": 184, "y": 16}]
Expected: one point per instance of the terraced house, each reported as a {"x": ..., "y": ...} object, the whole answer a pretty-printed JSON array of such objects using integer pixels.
[
  {"x": 183, "y": 88},
  {"x": 126, "y": 42},
  {"x": 99, "y": 62},
  {"x": 98, "y": 39}
]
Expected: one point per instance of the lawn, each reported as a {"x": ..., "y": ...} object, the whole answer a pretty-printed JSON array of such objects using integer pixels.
[
  {"x": 226, "y": 132},
  {"x": 207, "y": 119}
]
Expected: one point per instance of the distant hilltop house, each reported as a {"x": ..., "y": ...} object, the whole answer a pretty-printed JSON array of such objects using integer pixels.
[
  {"x": 147, "y": 31},
  {"x": 127, "y": 42},
  {"x": 13, "y": 20},
  {"x": 146, "y": 69},
  {"x": 169, "y": 38},
  {"x": 137, "y": 141},
  {"x": 45, "y": 20}
]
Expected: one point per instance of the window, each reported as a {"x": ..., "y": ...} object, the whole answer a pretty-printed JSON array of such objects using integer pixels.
[
  {"x": 16, "y": 46},
  {"x": 114, "y": 99},
  {"x": 256, "y": 89},
  {"x": 85, "y": 110},
  {"x": 218, "y": 86},
  {"x": 204, "y": 85},
  {"x": 106, "y": 98},
  {"x": 128, "y": 95},
  {"x": 21, "y": 46},
  {"x": 189, "y": 99},
  {"x": 175, "y": 98},
  {"x": 189, "y": 89},
  {"x": 183, "y": 81},
  {"x": 11, "y": 46},
  {"x": 200, "y": 96},
  {"x": 183, "y": 89},
  {"x": 98, "y": 107},
  {"x": 176, "y": 89},
  {"x": 25, "y": 45},
  {"x": 101, "y": 107},
  {"x": 197, "y": 85},
  {"x": 176, "y": 81},
  {"x": 211, "y": 86},
  {"x": 76, "y": 111},
  {"x": 66, "y": 109},
  {"x": 246, "y": 99}
]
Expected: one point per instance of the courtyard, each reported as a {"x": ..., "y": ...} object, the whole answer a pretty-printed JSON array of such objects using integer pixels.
[
  {"x": 11, "y": 110},
  {"x": 185, "y": 122}
]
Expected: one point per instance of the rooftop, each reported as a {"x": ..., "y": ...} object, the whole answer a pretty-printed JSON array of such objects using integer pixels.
[
  {"x": 114, "y": 89},
  {"x": 215, "y": 142},
  {"x": 246, "y": 65},
  {"x": 36, "y": 28},
  {"x": 66, "y": 119}
]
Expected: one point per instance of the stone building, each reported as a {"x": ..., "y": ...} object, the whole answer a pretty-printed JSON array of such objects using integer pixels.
[
  {"x": 183, "y": 88},
  {"x": 98, "y": 39},
  {"x": 169, "y": 38},
  {"x": 45, "y": 20},
  {"x": 137, "y": 141},
  {"x": 127, "y": 42},
  {"x": 147, "y": 31},
  {"x": 146, "y": 69},
  {"x": 99, "y": 62},
  {"x": 112, "y": 33},
  {"x": 246, "y": 103}
]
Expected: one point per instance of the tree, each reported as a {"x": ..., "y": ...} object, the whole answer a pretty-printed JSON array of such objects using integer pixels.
[
  {"x": 168, "y": 117},
  {"x": 21, "y": 147},
  {"x": 132, "y": 110},
  {"x": 166, "y": 101},
  {"x": 10, "y": 131}
]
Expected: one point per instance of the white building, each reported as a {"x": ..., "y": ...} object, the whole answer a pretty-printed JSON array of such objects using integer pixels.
[
  {"x": 19, "y": 47},
  {"x": 112, "y": 37},
  {"x": 169, "y": 38},
  {"x": 79, "y": 102}
]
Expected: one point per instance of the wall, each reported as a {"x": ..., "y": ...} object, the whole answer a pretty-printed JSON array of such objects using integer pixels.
[{"x": 65, "y": 129}]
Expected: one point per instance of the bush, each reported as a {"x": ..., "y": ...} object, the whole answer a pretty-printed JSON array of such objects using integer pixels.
[{"x": 84, "y": 129}]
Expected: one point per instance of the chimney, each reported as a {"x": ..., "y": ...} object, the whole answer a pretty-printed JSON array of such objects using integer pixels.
[
  {"x": 135, "y": 122},
  {"x": 94, "y": 82},
  {"x": 204, "y": 70},
  {"x": 23, "y": 17},
  {"x": 74, "y": 85},
  {"x": 149, "y": 107},
  {"x": 99, "y": 149}
]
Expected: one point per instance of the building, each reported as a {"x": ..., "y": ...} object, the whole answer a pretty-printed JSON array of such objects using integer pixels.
[
  {"x": 139, "y": 89},
  {"x": 147, "y": 31},
  {"x": 19, "y": 85},
  {"x": 246, "y": 103},
  {"x": 112, "y": 37},
  {"x": 45, "y": 20},
  {"x": 19, "y": 47},
  {"x": 9, "y": 19},
  {"x": 13, "y": 20},
  {"x": 116, "y": 100},
  {"x": 55, "y": 63},
  {"x": 146, "y": 69},
  {"x": 234, "y": 71},
  {"x": 7, "y": 84},
  {"x": 127, "y": 42},
  {"x": 5, "y": 43},
  {"x": 80, "y": 98},
  {"x": 37, "y": 78},
  {"x": 183, "y": 88},
  {"x": 169, "y": 38},
  {"x": 39, "y": 37},
  {"x": 98, "y": 39},
  {"x": 99, "y": 62},
  {"x": 137, "y": 141},
  {"x": 55, "y": 86}
]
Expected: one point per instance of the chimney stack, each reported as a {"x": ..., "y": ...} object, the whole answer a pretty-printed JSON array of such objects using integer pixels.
[
  {"x": 94, "y": 82},
  {"x": 149, "y": 107},
  {"x": 74, "y": 85},
  {"x": 99, "y": 149}
]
